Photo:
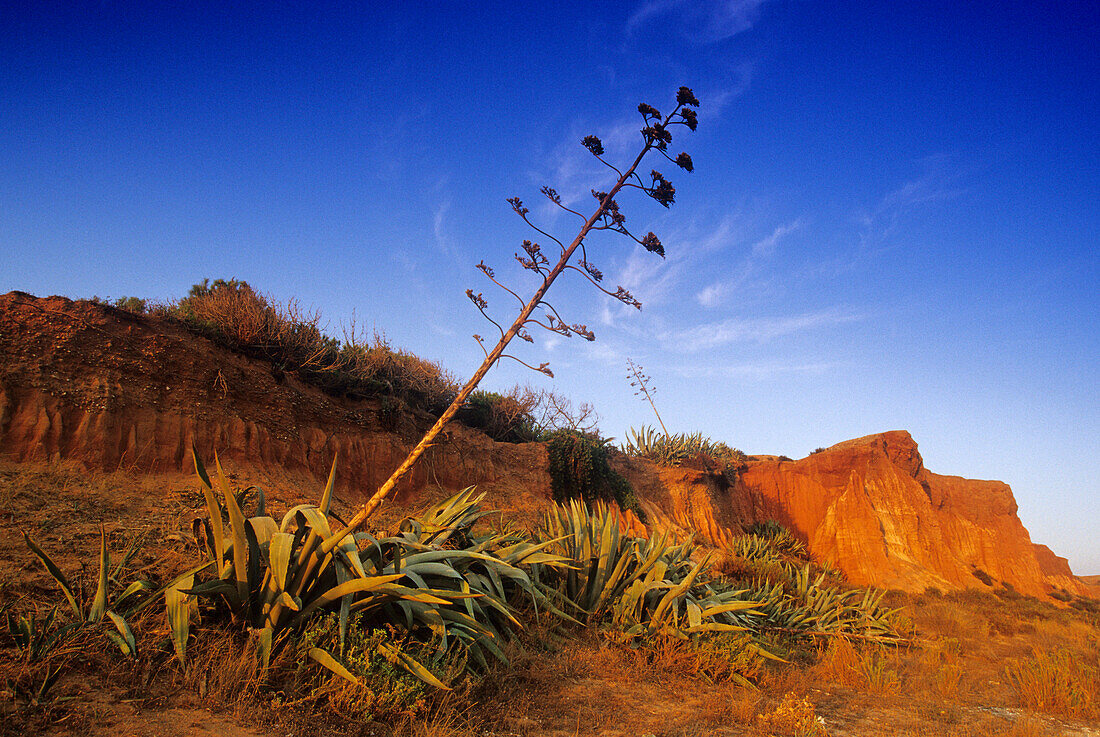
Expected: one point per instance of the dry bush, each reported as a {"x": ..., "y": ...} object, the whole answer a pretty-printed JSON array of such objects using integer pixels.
[
  {"x": 526, "y": 414},
  {"x": 872, "y": 668},
  {"x": 369, "y": 367},
  {"x": 942, "y": 667},
  {"x": 1060, "y": 682},
  {"x": 223, "y": 667},
  {"x": 233, "y": 314},
  {"x": 794, "y": 717},
  {"x": 718, "y": 659}
]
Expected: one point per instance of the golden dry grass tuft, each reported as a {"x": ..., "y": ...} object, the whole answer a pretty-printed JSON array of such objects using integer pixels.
[
  {"x": 1059, "y": 682},
  {"x": 870, "y": 668},
  {"x": 794, "y": 717},
  {"x": 288, "y": 335}
]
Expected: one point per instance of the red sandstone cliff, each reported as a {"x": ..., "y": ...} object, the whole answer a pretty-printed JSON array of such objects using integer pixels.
[
  {"x": 871, "y": 508},
  {"x": 86, "y": 383}
]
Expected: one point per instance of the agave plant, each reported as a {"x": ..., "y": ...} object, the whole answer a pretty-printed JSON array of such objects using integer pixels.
[
  {"x": 103, "y": 604},
  {"x": 809, "y": 607},
  {"x": 432, "y": 576},
  {"x": 672, "y": 450},
  {"x": 780, "y": 548},
  {"x": 36, "y": 639},
  {"x": 641, "y": 586}
]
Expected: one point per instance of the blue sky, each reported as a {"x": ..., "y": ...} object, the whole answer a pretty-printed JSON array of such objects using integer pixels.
[{"x": 892, "y": 224}]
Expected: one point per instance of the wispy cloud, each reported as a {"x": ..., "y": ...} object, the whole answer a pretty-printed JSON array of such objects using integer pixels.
[
  {"x": 710, "y": 296},
  {"x": 880, "y": 223},
  {"x": 714, "y": 294},
  {"x": 657, "y": 281},
  {"x": 765, "y": 247},
  {"x": 757, "y": 371},
  {"x": 438, "y": 217},
  {"x": 701, "y": 21},
  {"x": 880, "y": 227},
  {"x": 574, "y": 172},
  {"x": 758, "y": 330}
]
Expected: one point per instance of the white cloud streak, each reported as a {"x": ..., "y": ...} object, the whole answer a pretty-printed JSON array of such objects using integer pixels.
[
  {"x": 700, "y": 21},
  {"x": 714, "y": 294},
  {"x": 758, "y": 330}
]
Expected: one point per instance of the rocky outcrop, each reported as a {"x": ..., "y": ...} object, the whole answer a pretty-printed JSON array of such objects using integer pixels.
[
  {"x": 870, "y": 508},
  {"x": 1057, "y": 571},
  {"x": 85, "y": 383}
]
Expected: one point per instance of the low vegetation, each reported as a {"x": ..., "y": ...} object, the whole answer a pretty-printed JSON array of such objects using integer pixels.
[
  {"x": 676, "y": 450},
  {"x": 607, "y": 621},
  {"x": 579, "y": 469},
  {"x": 234, "y": 315},
  {"x": 526, "y": 414}
]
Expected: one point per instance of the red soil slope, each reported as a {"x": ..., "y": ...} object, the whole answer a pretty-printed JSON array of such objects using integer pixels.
[{"x": 109, "y": 389}]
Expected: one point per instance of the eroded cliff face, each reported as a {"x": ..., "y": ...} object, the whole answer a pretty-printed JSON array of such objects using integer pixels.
[
  {"x": 85, "y": 383},
  {"x": 871, "y": 508}
]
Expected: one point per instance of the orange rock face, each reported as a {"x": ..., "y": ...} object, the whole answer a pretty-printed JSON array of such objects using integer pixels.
[{"x": 870, "y": 508}]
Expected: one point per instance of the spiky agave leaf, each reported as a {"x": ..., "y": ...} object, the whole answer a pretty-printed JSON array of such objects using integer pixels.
[
  {"x": 125, "y": 636},
  {"x": 58, "y": 576},
  {"x": 640, "y": 585},
  {"x": 177, "y": 602},
  {"x": 99, "y": 603},
  {"x": 325, "y": 658}
]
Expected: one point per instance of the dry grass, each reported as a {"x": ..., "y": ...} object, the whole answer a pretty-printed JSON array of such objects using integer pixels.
[
  {"x": 290, "y": 336},
  {"x": 1059, "y": 682},
  {"x": 871, "y": 668},
  {"x": 793, "y": 717},
  {"x": 559, "y": 682}
]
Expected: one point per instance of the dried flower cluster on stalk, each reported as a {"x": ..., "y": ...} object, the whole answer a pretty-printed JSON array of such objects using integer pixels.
[{"x": 656, "y": 136}]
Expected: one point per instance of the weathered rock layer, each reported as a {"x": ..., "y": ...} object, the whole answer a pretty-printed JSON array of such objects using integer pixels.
[
  {"x": 87, "y": 383},
  {"x": 869, "y": 507}
]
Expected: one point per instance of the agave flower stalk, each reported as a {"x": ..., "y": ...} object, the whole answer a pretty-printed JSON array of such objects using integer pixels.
[
  {"x": 656, "y": 137},
  {"x": 642, "y": 382}
]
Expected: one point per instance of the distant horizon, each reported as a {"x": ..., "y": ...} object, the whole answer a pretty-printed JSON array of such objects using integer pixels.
[{"x": 892, "y": 222}]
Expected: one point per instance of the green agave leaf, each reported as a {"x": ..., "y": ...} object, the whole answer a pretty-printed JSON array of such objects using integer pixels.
[
  {"x": 125, "y": 639},
  {"x": 733, "y": 606},
  {"x": 325, "y": 659},
  {"x": 354, "y": 586},
  {"x": 62, "y": 582},
  {"x": 133, "y": 588},
  {"x": 264, "y": 528},
  {"x": 172, "y": 583},
  {"x": 239, "y": 536},
  {"x": 263, "y": 646},
  {"x": 412, "y": 666},
  {"x": 214, "y": 587},
  {"x": 326, "y": 496},
  {"x": 213, "y": 509},
  {"x": 200, "y": 469},
  {"x": 177, "y": 602},
  {"x": 279, "y": 553},
  {"x": 715, "y": 627}
]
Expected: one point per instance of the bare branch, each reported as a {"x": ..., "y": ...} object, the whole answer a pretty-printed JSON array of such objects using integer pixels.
[{"x": 541, "y": 368}]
